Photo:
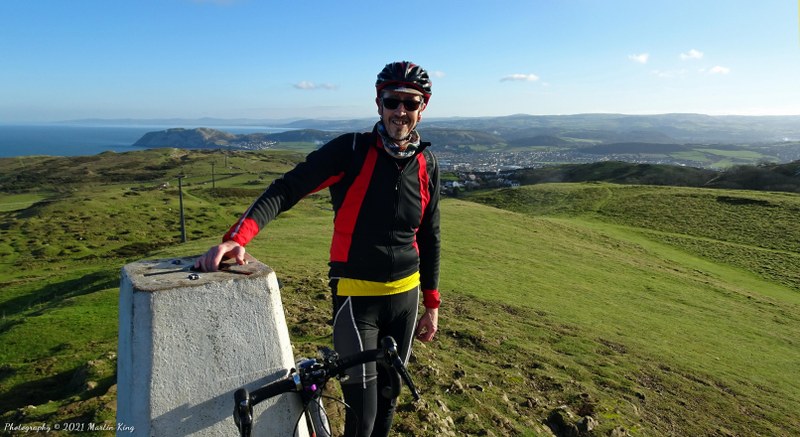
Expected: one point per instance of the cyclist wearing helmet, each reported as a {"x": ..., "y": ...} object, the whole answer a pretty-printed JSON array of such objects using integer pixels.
[{"x": 384, "y": 187}]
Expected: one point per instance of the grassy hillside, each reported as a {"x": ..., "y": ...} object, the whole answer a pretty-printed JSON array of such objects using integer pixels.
[
  {"x": 656, "y": 311},
  {"x": 763, "y": 177}
]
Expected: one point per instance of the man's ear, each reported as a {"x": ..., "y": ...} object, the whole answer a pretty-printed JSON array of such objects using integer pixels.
[{"x": 380, "y": 106}]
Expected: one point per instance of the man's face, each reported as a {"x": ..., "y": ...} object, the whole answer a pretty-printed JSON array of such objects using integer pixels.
[{"x": 401, "y": 120}]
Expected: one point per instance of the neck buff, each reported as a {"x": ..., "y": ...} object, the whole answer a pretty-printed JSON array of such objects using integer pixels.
[{"x": 392, "y": 148}]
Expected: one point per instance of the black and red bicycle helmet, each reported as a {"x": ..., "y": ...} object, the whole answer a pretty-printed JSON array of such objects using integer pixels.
[{"x": 404, "y": 76}]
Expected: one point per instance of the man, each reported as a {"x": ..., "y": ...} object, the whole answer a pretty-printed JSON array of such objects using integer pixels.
[{"x": 384, "y": 189}]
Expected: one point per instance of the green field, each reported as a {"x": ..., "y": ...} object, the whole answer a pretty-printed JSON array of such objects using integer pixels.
[
  {"x": 657, "y": 311},
  {"x": 16, "y": 202}
]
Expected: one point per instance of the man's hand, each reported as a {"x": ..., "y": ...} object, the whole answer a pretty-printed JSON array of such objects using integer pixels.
[
  {"x": 428, "y": 325},
  {"x": 209, "y": 262}
]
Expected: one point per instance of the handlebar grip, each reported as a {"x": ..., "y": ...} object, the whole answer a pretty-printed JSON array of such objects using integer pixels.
[
  {"x": 290, "y": 383},
  {"x": 354, "y": 360},
  {"x": 243, "y": 412}
]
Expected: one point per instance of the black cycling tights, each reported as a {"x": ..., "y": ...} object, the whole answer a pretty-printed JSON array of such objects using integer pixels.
[{"x": 360, "y": 323}]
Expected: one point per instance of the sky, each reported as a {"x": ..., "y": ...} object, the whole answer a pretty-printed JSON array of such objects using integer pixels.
[{"x": 143, "y": 59}]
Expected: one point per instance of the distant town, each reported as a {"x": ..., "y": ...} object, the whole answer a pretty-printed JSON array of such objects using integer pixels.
[
  {"x": 502, "y": 161},
  {"x": 451, "y": 160}
]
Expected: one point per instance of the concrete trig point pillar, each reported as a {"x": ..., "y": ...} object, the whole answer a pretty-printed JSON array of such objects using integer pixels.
[{"x": 185, "y": 345}]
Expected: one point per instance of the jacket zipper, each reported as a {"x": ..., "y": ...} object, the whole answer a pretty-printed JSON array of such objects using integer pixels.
[{"x": 397, "y": 188}]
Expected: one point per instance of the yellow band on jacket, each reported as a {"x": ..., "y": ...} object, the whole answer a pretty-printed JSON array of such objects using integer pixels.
[{"x": 358, "y": 287}]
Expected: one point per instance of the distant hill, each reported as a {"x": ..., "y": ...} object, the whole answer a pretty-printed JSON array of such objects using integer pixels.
[
  {"x": 765, "y": 177},
  {"x": 206, "y": 138},
  {"x": 633, "y": 148},
  {"x": 674, "y": 128},
  {"x": 539, "y": 141},
  {"x": 199, "y": 138},
  {"x": 617, "y": 172},
  {"x": 441, "y": 137},
  {"x": 299, "y": 135}
]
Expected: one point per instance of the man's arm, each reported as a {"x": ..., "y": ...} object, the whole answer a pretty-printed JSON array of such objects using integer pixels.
[
  {"x": 429, "y": 243},
  {"x": 321, "y": 168}
]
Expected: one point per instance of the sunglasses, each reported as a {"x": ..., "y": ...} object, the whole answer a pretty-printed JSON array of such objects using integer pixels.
[{"x": 392, "y": 103}]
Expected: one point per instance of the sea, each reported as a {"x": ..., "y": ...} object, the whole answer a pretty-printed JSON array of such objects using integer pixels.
[{"x": 82, "y": 140}]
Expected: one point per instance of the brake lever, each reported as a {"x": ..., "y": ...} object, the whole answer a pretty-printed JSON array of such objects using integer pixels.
[
  {"x": 401, "y": 369},
  {"x": 392, "y": 357}
]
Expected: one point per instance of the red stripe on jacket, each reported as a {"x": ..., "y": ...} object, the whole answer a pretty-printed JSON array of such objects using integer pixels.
[
  {"x": 345, "y": 222},
  {"x": 424, "y": 194},
  {"x": 328, "y": 182}
]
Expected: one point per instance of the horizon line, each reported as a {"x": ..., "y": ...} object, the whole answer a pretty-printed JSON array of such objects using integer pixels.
[{"x": 294, "y": 119}]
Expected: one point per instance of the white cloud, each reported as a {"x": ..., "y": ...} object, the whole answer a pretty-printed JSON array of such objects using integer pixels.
[
  {"x": 640, "y": 58},
  {"x": 719, "y": 70},
  {"x": 437, "y": 74},
  {"x": 692, "y": 54},
  {"x": 306, "y": 85},
  {"x": 518, "y": 77}
]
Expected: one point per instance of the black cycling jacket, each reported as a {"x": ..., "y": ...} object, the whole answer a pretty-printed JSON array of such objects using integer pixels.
[{"x": 386, "y": 224}]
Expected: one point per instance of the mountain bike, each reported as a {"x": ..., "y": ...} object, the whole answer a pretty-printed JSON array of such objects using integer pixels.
[{"x": 309, "y": 380}]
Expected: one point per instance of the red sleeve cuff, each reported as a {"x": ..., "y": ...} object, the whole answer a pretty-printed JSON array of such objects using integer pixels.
[
  {"x": 242, "y": 242},
  {"x": 430, "y": 298},
  {"x": 242, "y": 232}
]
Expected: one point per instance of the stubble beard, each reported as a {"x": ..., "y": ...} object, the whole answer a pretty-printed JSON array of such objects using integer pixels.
[{"x": 399, "y": 129}]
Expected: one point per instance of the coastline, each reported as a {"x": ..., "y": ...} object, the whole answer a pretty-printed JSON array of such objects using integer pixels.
[{"x": 55, "y": 139}]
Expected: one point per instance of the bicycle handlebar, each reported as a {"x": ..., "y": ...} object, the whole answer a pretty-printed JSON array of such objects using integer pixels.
[{"x": 312, "y": 375}]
